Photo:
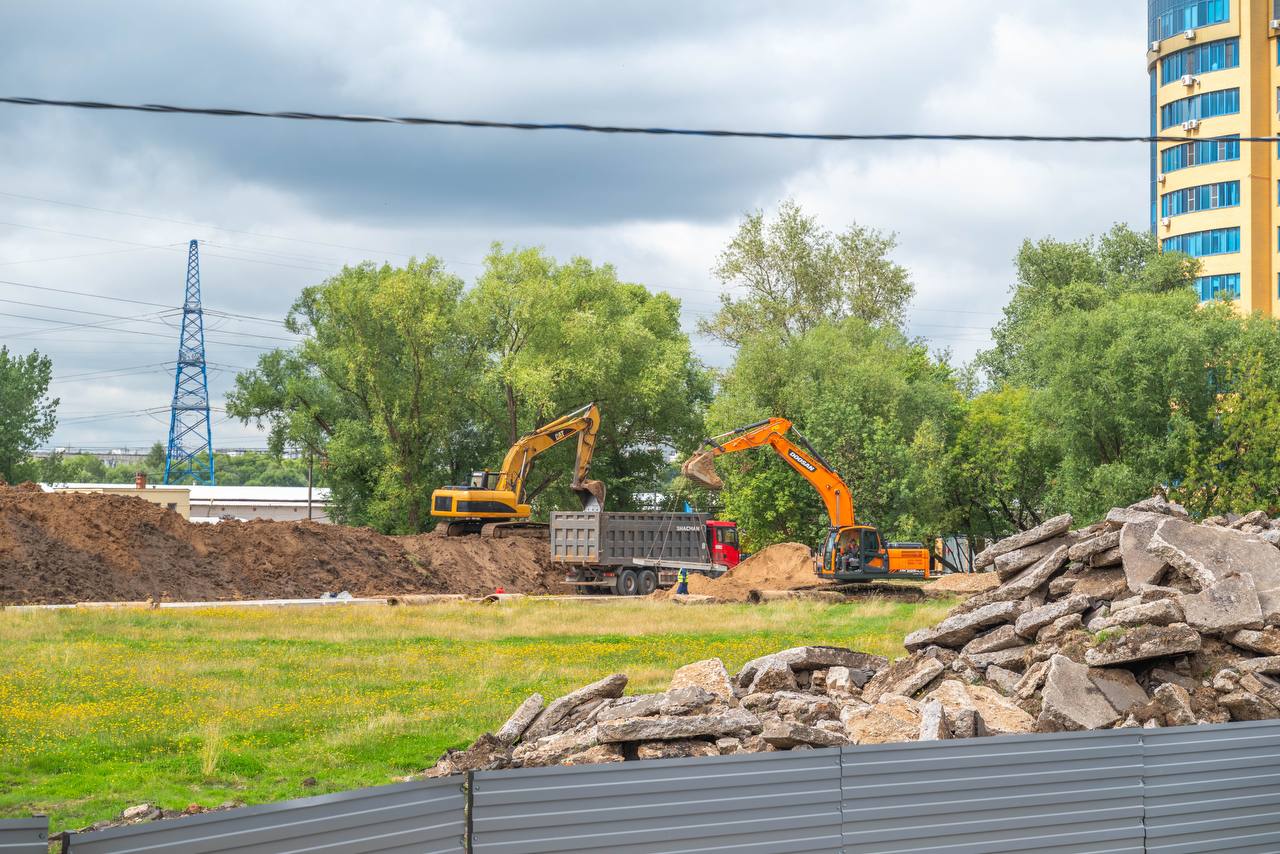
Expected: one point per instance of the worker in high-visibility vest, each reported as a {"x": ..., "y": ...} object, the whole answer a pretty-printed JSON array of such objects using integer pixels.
[{"x": 682, "y": 582}]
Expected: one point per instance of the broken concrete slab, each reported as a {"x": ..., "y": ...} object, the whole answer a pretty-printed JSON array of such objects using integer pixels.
[
  {"x": 1224, "y": 607},
  {"x": 773, "y": 675},
  {"x": 1268, "y": 664},
  {"x": 1084, "y": 549},
  {"x": 667, "y": 727},
  {"x": 675, "y": 749},
  {"x": 1208, "y": 554},
  {"x": 1102, "y": 585},
  {"x": 554, "y": 716},
  {"x": 680, "y": 701},
  {"x": 785, "y": 735},
  {"x": 598, "y": 754},
  {"x": 894, "y": 718},
  {"x": 1054, "y": 527},
  {"x": 812, "y": 658},
  {"x": 1266, "y": 641},
  {"x": 846, "y": 680},
  {"x": 1031, "y": 622},
  {"x": 551, "y": 749},
  {"x": 709, "y": 675},
  {"x": 1142, "y": 643},
  {"x": 511, "y": 731},
  {"x": 1071, "y": 699},
  {"x": 1008, "y": 565},
  {"x": 1003, "y": 637},
  {"x": 1013, "y": 658},
  {"x": 905, "y": 677},
  {"x": 1162, "y": 612},
  {"x": 1002, "y": 716},
  {"x": 1119, "y": 687},
  {"x": 1005, "y": 680},
  {"x": 960, "y": 629},
  {"x": 1025, "y": 582},
  {"x": 1059, "y": 629},
  {"x": 933, "y": 722}
]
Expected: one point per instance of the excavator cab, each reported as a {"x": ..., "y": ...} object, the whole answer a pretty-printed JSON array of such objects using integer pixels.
[
  {"x": 854, "y": 553},
  {"x": 485, "y": 479}
]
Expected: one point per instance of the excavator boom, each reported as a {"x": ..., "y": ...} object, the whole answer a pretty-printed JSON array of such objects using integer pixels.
[{"x": 800, "y": 455}]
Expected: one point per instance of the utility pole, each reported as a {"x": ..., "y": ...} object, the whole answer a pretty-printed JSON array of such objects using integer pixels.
[
  {"x": 190, "y": 453},
  {"x": 311, "y": 462}
]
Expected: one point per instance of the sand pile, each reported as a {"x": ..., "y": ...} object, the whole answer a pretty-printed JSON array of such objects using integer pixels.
[
  {"x": 785, "y": 566},
  {"x": 964, "y": 582},
  {"x": 65, "y": 547}
]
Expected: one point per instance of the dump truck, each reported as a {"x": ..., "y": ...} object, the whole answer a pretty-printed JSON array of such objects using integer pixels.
[{"x": 634, "y": 554}]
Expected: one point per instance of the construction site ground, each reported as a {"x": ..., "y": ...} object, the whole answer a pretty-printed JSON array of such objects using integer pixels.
[{"x": 108, "y": 708}]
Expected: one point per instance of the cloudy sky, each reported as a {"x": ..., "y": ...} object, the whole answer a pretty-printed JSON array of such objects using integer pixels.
[{"x": 104, "y": 203}]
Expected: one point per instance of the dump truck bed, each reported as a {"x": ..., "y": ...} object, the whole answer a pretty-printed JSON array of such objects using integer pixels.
[{"x": 629, "y": 539}]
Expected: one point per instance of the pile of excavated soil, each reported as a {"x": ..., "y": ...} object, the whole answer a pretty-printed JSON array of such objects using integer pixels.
[
  {"x": 785, "y": 566},
  {"x": 67, "y": 547},
  {"x": 964, "y": 582}
]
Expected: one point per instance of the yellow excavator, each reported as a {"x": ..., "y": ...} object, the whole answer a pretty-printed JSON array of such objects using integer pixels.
[
  {"x": 851, "y": 552},
  {"x": 492, "y": 504}
]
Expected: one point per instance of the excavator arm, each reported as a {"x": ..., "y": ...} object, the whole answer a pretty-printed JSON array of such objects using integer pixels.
[
  {"x": 800, "y": 455},
  {"x": 583, "y": 423}
]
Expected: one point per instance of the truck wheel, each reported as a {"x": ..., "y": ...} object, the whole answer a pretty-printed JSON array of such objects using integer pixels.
[
  {"x": 627, "y": 583},
  {"x": 648, "y": 582}
]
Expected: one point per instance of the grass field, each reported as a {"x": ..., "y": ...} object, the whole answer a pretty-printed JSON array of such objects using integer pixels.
[{"x": 100, "y": 710}]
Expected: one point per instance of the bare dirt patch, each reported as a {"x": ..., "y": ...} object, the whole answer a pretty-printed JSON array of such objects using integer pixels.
[
  {"x": 65, "y": 547},
  {"x": 784, "y": 566}
]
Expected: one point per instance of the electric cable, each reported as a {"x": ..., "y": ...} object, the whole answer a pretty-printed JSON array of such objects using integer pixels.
[{"x": 300, "y": 115}]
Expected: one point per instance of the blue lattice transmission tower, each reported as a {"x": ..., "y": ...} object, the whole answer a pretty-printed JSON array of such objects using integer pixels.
[{"x": 190, "y": 455}]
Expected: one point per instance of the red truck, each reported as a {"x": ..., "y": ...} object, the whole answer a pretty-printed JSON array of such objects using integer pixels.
[{"x": 634, "y": 554}]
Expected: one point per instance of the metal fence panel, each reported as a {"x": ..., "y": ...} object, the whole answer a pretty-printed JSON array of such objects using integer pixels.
[
  {"x": 421, "y": 816},
  {"x": 24, "y": 835},
  {"x": 768, "y": 803},
  {"x": 1054, "y": 794},
  {"x": 1213, "y": 788}
]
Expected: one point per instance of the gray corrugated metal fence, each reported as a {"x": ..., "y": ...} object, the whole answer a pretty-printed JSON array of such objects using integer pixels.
[
  {"x": 1052, "y": 794},
  {"x": 24, "y": 835},
  {"x": 766, "y": 803},
  {"x": 1213, "y": 788},
  {"x": 417, "y": 817},
  {"x": 1171, "y": 791}
]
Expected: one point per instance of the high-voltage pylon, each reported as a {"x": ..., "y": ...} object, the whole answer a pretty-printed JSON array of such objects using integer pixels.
[{"x": 190, "y": 454}]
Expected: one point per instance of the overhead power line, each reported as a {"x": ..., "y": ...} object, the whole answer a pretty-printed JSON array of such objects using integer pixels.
[{"x": 300, "y": 115}]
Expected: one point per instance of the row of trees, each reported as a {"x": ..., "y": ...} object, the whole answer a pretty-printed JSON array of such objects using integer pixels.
[{"x": 1107, "y": 380}]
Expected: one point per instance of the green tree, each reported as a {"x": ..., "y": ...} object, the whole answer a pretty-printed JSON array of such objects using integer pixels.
[
  {"x": 27, "y": 415},
  {"x": 877, "y": 407},
  {"x": 381, "y": 380},
  {"x": 796, "y": 274},
  {"x": 557, "y": 336},
  {"x": 405, "y": 384}
]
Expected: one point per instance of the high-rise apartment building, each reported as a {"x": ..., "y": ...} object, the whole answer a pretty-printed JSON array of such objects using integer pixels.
[{"x": 1215, "y": 77}]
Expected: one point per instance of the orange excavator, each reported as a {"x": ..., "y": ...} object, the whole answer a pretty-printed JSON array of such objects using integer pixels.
[{"x": 851, "y": 552}]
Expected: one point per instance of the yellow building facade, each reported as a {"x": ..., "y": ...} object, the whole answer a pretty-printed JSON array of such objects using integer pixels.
[{"x": 1215, "y": 78}]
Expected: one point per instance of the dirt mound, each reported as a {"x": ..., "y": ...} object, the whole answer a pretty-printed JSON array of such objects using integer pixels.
[
  {"x": 785, "y": 566},
  {"x": 67, "y": 547},
  {"x": 964, "y": 582}
]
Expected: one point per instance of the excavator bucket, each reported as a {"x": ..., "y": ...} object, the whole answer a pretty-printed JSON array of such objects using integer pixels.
[
  {"x": 701, "y": 469},
  {"x": 592, "y": 494}
]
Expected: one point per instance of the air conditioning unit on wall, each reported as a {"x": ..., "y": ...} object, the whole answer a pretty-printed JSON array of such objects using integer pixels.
[
  {"x": 1191, "y": 35},
  {"x": 1155, "y": 46},
  {"x": 1188, "y": 80},
  {"x": 1191, "y": 124},
  {"x": 1166, "y": 222},
  {"x": 1162, "y": 179}
]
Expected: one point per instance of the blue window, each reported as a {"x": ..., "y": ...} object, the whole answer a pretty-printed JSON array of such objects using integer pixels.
[
  {"x": 1198, "y": 153},
  {"x": 1201, "y": 59},
  {"x": 1170, "y": 17},
  {"x": 1206, "y": 197},
  {"x": 1214, "y": 287},
  {"x": 1223, "y": 102},
  {"x": 1218, "y": 241}
]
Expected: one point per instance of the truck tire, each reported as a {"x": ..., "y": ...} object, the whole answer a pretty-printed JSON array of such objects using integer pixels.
[
  {"x": 648, "y": 582},
  {"x": 627, "y": 584}
]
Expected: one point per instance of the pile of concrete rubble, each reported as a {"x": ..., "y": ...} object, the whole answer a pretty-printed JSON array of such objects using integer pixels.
[{"x": 1143, "y": 619}]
